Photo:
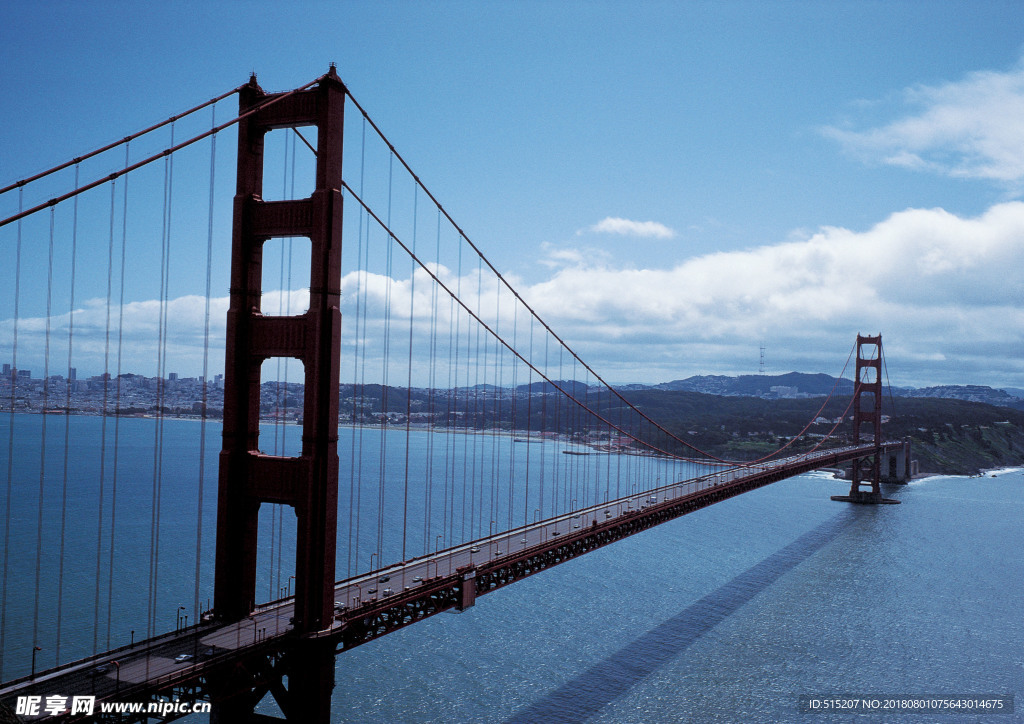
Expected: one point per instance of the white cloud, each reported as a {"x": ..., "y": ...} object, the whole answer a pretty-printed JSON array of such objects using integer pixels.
[
  {"x": 627, "y": 227},
  {"x": 942, "y": 289},
  {"x": 969, "y": 128},
  {"x": 937, "y": 285}
]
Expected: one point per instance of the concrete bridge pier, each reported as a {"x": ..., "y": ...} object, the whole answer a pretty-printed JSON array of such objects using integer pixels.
[{"x": 896, "y": 465}]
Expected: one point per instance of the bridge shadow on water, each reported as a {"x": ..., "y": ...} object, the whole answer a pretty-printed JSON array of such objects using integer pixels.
[{"x": 585, "y": 695}]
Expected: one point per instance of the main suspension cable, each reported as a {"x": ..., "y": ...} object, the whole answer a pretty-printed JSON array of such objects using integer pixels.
[
  {"x": 519, "y": 298},
  {"x": 163, "y": 154},
  {"x": 110, "y": 146}
]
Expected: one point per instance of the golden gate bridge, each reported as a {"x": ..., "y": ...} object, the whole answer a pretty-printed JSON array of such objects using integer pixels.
[{"x": 478, "y": 447}]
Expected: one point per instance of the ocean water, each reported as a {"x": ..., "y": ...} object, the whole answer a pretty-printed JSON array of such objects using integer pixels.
[{"x": 730, "y": 614}]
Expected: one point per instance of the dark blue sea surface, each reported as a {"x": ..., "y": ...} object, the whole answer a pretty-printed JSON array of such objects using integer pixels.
[{"x": 730, "y": 614}]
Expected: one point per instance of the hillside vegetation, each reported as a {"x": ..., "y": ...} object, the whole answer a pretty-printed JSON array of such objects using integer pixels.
[{"x": 948, "y": 436}]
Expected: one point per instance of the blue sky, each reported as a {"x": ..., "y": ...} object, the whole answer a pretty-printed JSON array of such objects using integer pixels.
[{"x": 671, "y": 184}]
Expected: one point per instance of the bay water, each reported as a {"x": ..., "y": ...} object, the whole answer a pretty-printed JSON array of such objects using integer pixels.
[{"x": 741, "y": 612}]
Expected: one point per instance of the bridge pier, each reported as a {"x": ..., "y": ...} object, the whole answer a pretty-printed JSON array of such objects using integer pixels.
[
  {"x": 896, "y": 466},
  {"x": 467, "y": 588},
  {"x": 311, "y": 681}
]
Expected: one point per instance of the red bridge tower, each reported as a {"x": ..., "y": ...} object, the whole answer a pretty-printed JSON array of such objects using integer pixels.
[
  {"x": 867, "y": 410},
  {"x": 248, "y": 477}
]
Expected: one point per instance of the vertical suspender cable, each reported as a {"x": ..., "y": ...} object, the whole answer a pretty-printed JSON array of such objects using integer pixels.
[
  {"x": 448, "y": 518},
  {"x": 408, "y": 384},
  {"x": 10, "y": 439},
  {"x": 496, "y": 413},
  {"x": 543, "y": 426},
  {"x": 287, "y": 311},
  {"x": 514, "y": 417},
  {"x": 278, "y": 450},
  {"x": 103, "y": 420},
  {"x": 473, "y": 517},
  {"x": 206, "y": 370},
  {"x": 102, "y": 430},
  {"x": 165, "y": 263},
  {"x": 384, "y": 387},
  {"x": 428, "y": 496},
  {"x": 67, "y": 436},
  {"x": 42, "y": 441},
  {"x": 529, "y": 428},
  {"x": 355, "y": 483},
  {"x": 117, "y": 401},
  {"x": 454, "y": 376}
]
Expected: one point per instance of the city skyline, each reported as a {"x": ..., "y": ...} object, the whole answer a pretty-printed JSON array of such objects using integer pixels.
[{"x": 672, "y": 187}]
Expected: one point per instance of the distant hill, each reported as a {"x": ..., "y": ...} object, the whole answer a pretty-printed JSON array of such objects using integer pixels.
[
  {"x": 793, "y": 384},
  {"x": 796, "y": 385},
  {"x": 968, "y": 393},
  {"x": 573, "y": 387}
]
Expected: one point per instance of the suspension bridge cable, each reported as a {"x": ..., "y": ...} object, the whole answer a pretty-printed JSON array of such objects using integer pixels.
[
  {"x": 10, "y": 443},
  {"x": 162, "y": 334},
  {"x": 493, "y": 269},
  {"x": 206, "y": 368},
  {"x": 515, "y": 420},
  {"x": 612, "y": 390},
  {"x": 115, "y": 144},
  {"x": 385, "y": 365},
  {"x": 474, "y": 516},
  {"x": 814, "y": 417},
  {"x": 103, "y": 420},
  {"x": 529, "y": 429},
  {"x": 42, "y": 441},
  {"x": 355, "y": 478},
  {"x": 365, "y": 247},
  {"x": 516, "y": 294},
  {"x": 457, "y": 298},
  {"x": 455, "y": 404},
  {"x": 67, "y": 429},
  {"x": 117, "y": 401},
  {"x": 431, "y": 401},
  {"x": 157, "y": 156},
  {"x": 888, "y": 385},
  {"x": 450, "y": 410},
  {"x": 408, "y": 383},
  {"x": 277, "y": 404}
]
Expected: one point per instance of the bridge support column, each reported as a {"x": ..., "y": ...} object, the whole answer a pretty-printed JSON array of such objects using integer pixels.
[
  {"x": 867, "y": 410},
  {"x": 895, "y": 465},
  {"x": 248, "y": 477},
  {"x": 467, "y": 589}
]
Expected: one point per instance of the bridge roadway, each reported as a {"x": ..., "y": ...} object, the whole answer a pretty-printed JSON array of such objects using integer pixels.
[{"x": 378, "y": 602}]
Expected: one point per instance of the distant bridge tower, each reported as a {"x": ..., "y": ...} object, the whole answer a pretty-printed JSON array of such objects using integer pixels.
[
  {"x": 308, "y": 483},
  {"x": 867, "y": 410}
]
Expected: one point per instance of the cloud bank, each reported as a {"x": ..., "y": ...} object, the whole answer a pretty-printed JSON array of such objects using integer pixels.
[
  {"x": 966, "y": 129},
  {"x": 943, "y": 290},
  {"x": 939, "y": 287}
]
